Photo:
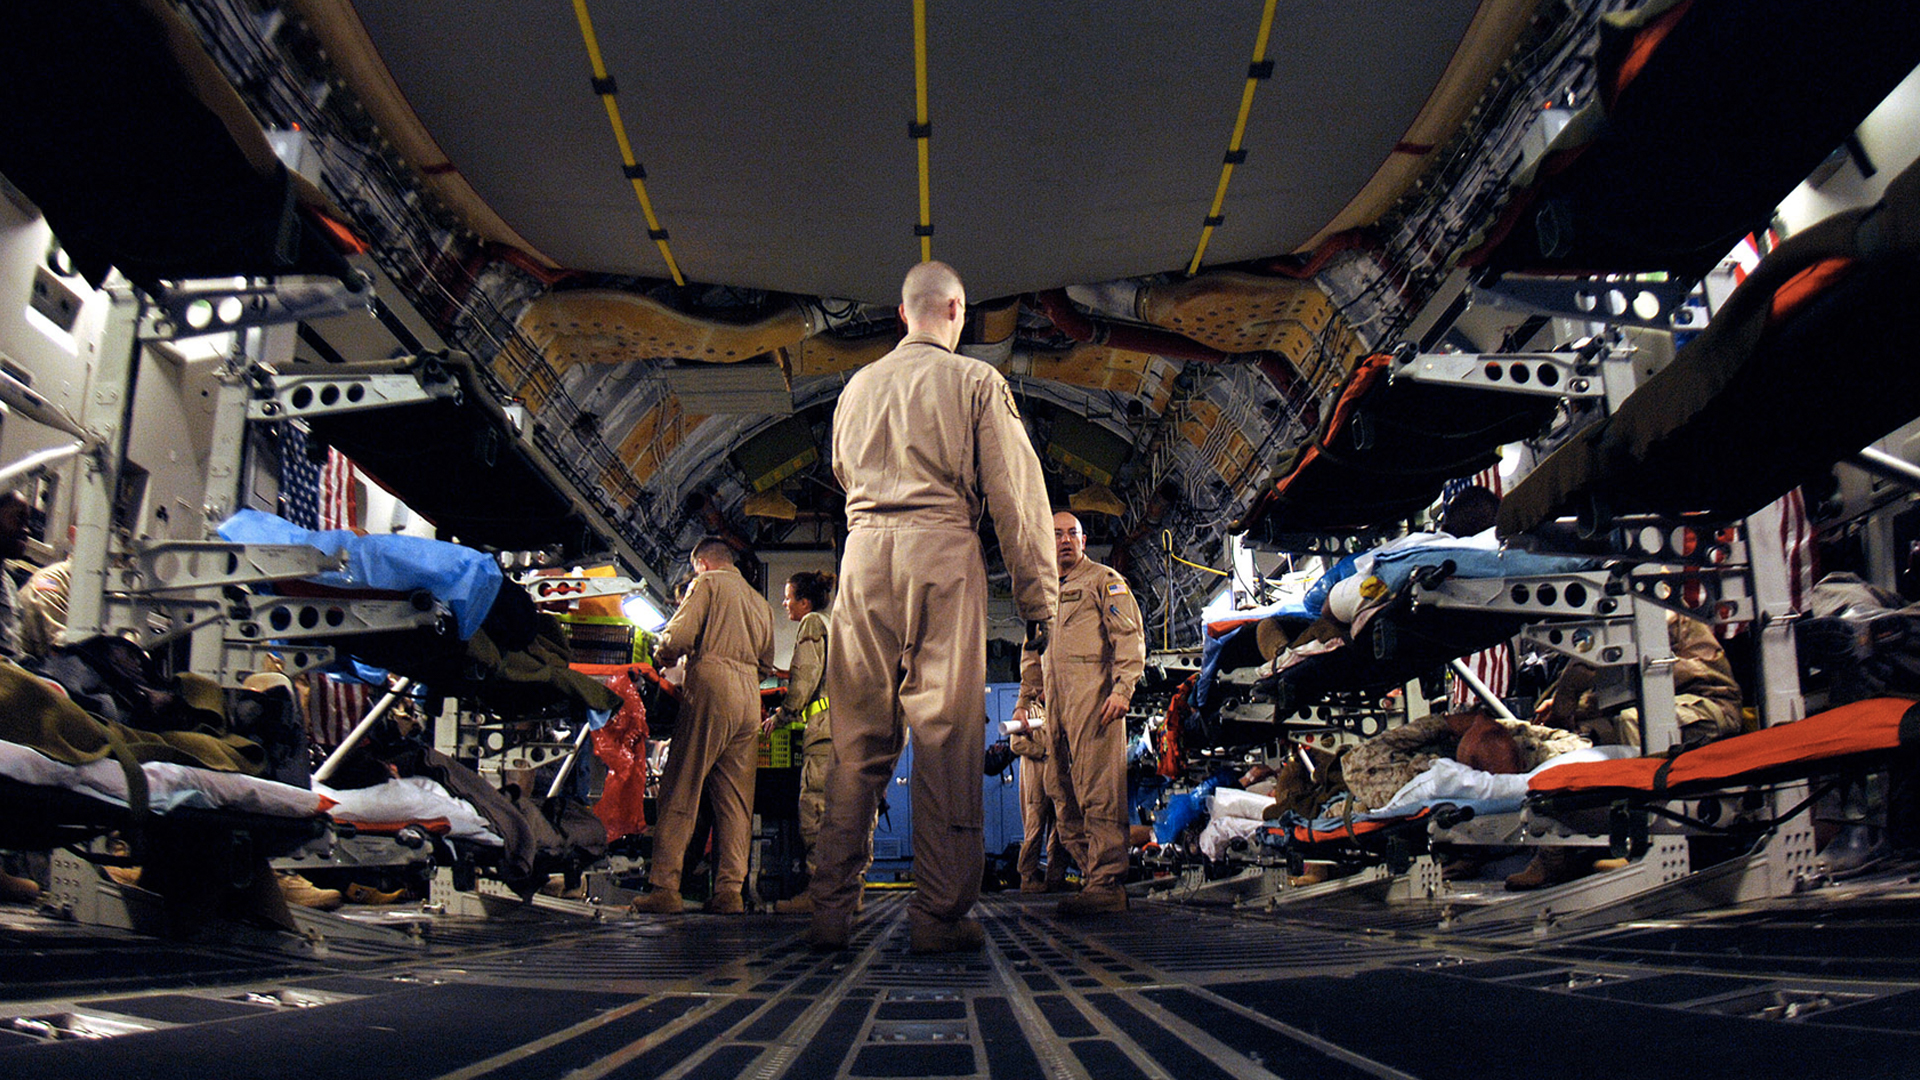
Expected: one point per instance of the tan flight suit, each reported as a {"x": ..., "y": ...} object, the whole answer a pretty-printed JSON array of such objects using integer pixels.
[
  {"x": 806, "y": 701},
  {"x": 725, "y": 628},
  {"x": 1047, "y": 814},
  {"x": 1096, "y": 648},
  {"x": 924, "y": 440}
]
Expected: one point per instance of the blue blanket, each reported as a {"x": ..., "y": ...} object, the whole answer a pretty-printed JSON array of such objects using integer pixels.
[{"x": 463, "y": 579}]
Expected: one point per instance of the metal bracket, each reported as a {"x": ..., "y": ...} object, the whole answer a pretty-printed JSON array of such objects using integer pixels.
[
  {"x": 295, "y": 618},
  {"x": 1560, "y": 375},
  {"x": 1617, "y": 300},
  {"x": 1601, "y": 643},
  {"x": 1667, "y": 860},
  {"x": 1712, "y": 596},
  {"x": 201, "y": 308},
  {"x": 326, "y": 392},
  {"x": 1332, "y": 545},
  {"x": 1422, "y": 882},
  {"x": 240, "y": 661},
  {"x": 1667, "y": 541},
  {"x": 167, "y": 565},
  {"x": 1589, "y": 593},
  {"x": 558, "y": 589}
]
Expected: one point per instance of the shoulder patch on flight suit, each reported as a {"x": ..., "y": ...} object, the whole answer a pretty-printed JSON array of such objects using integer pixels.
[
  {"x": 1116, "y": 588},
  {"x": 1013, "y": 406},
  {"x": 1069, "y": 596}
]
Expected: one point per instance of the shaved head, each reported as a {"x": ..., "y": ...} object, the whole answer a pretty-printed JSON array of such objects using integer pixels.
[
  {"x": 933, "y": 302},
  {"x": 1069, "y": 541}
]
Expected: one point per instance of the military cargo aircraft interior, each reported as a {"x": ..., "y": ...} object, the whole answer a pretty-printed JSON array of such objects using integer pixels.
[{"x": 523, "y": 524}]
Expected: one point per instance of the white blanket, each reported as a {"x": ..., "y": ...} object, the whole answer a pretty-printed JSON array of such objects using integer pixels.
[
  {"x": 411, "y": 798},
  {"x": 1448, "y": 779},
  {"x": 169, "y": 786}
]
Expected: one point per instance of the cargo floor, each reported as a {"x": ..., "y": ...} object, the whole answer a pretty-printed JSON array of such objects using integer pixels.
[{"x": 1787, "y": 990}]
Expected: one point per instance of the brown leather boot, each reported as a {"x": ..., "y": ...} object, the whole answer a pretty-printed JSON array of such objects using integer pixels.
[
  {"x": 828, "y": 932},
  {"x": 725, "y": 903},
  {"x": 303, "y": 893},
  {"x": 1553, "y": 866},
  {"x": 658, "y": 902},
  {"x": 1094, "y": 901},
  {"x": 930, "y": 935},
  {"x": 18, "y": 890}
]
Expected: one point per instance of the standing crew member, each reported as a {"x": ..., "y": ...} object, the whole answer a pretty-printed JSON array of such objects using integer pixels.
[
  {"x": 1044, "y": 814},
  {"x": 725, "y": 629},
  {"x": 807, "y": 595},
  {"x": 1086, "y": 677},
  {"x": 922, "y": 438}
]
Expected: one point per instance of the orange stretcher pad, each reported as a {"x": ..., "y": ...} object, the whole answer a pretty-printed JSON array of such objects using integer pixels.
[
  {"x": 1307, "y": 834},
  {"x": 1874, "y": 726}
]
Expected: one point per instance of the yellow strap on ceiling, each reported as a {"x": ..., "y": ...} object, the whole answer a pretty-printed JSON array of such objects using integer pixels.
[
  {"x": 636, "y": 175},
  {"x": 1261, "y": 68},
  {"x": 922, "y": 129}
]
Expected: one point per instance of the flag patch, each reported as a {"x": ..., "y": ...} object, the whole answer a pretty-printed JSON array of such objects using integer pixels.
[{"x": 1116, "y": 588}]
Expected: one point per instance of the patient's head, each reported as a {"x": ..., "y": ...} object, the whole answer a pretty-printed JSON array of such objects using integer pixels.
[
  {"x": 1485, "y": 743},
  {"x": 1470, "y": 512}
]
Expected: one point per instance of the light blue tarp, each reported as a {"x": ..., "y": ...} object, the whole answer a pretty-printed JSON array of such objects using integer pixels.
[
  {"x": 1396, "y": 568},
  {"x": 463, "y": 579}
]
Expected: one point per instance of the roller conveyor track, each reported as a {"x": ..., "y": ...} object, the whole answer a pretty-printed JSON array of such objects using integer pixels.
[{"x": 1788, "y": 989}]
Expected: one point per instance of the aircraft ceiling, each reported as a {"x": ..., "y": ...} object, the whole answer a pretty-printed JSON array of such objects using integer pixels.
[
  {"x": 1071, "y": 142},
  {"x": 1074, "y": 154}
]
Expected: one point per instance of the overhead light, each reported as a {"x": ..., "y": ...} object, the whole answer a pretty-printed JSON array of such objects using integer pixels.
[{"x": 641, "y": 611}]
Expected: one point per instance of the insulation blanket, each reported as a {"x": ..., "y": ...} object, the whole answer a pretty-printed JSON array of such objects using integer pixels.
[
  {"x": 169, "y": 786},
  {"x": 409, "y": 799},
  {"x": 463, "y": 579}
]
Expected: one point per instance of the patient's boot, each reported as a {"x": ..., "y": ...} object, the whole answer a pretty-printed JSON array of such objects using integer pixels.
[
  {"x": 367, "y": 894},
  {"x": 18, "y": 890},
  {"x": 1553, "y": 866},
  {"x": 927, "y": 934},
  {"x": 303, "y": 893}
]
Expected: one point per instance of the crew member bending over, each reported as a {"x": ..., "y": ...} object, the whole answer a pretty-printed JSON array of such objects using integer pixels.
[{"x": 725, "y": 629}]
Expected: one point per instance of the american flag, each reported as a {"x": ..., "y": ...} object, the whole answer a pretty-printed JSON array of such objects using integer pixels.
[
  {"x": 1787, "y": 515},
  {"x": 1493, "y": 666},
  {"x": 323, "y": 496}
]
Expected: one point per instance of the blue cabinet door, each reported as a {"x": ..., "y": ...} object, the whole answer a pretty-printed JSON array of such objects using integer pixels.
[{"x": 1000, "y": 797}]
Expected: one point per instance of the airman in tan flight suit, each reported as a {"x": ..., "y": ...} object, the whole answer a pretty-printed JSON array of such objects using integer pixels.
[
  {"x": 1047, "y": 815},
  {"x": 1096, "y": 652},
  {"x": 924, "y": 440},
  {"x": 725, "y": 629}
]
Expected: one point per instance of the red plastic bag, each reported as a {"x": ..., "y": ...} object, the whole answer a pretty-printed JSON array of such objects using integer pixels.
[{"x": 622, "y": 745}]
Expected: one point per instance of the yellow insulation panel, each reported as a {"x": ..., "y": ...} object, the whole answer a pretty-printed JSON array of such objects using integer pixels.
[
  {"x": 526, "y": 374},
  {"x": 654, "y": 437},
  {"x": 601, "y": 326},
  {"x": 1097, "y": 367},
  {"x": 824, "y": 354},
  {"x": 1238, "y": 313}
]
